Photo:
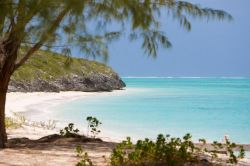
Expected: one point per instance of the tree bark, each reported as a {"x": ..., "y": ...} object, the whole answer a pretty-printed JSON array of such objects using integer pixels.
[
  {"x": 8, "y": 56},
  {"x": 3, "y": 92}
]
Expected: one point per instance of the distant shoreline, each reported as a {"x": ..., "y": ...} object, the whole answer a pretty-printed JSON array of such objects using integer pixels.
[{"x": 191, "y": 77}]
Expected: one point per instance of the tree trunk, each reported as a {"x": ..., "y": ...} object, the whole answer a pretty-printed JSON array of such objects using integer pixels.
[
  {"x": 3, "y": 92},
  {"x": 8, "y": 56}
]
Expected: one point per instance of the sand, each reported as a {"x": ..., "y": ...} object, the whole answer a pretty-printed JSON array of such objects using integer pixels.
[
  {"x": 60, "y": 152},
  {"x": 24, "y": 102}
]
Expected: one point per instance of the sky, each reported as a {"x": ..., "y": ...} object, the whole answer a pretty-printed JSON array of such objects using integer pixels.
[{"x": 211, "y": 49}]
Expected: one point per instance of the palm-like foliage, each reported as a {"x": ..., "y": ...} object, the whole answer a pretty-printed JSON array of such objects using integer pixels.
[{"x": 67, "y": 24}]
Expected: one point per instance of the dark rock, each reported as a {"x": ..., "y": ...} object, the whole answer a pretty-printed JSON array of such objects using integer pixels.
[
  {"x": 18, "y": 140},
  {"x": 91, "y": 83},
  {"x": 50, "y": 138}
]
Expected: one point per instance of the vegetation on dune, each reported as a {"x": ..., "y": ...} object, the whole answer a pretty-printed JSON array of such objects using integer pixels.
[
  {"x": 93, "y": 126},
  {"x": 18, "y": 120},
  {"x": 168, "y": 150},
  {"x": 12, "y": 123},
  {"x": 69, "y": 131},
  {"x": 84, "y": 157},
  {"x": 165, "y": 150},
  {"x": 49, "y": 65}
]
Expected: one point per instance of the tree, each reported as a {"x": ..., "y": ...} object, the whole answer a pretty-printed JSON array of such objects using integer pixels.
[{"x": 29, "y": 25}]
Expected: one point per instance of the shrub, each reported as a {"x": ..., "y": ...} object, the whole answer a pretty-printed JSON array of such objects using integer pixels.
[
  {"x": 12, "y": 123},
  {"x": 93, "y": 124},
  {"x": 49, "y": 125},
  {"x": 85, "y": 160},
  {"x": 167, "y": 151},
  {"x": 17, "y": 121},
  {"x": 69, "y": 130},
  {"x": 21, "y": 119}
]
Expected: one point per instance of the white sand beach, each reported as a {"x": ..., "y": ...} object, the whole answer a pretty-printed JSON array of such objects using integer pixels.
[{"x": 23, "y": 102}]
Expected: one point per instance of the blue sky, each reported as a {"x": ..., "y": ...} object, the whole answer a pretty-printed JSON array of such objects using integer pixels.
[{"x": 211, "y": 49}]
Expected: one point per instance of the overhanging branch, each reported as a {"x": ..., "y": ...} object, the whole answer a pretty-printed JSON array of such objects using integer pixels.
[{"x": 43, "y": 39}]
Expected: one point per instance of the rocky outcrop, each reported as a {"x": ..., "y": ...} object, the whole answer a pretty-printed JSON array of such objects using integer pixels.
[
  {"x": 90, "y": 83},
  {"x": 48, "y": 71}
]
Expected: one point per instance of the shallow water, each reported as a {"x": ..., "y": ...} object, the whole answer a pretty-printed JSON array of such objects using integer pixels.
[{"x": 205, "y": 107}]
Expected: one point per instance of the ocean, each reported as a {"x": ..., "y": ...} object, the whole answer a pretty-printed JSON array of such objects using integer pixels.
[{"x": 207, "y": 108}]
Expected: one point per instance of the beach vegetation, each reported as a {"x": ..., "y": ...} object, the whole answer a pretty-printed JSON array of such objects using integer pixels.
[
  {"x": 165, "y": 150},
  {"x": 93, "y": 126},
  {"x": 17, "y": 120},
  {"x": 12, "y": 123},
  {"x": 69, "y": 131},
  {"x": 230, "y": 146},
  {"x": 169, "y": 151},
  {"x": 84, "y": 157},
  {"x": 48, "y": 125}
]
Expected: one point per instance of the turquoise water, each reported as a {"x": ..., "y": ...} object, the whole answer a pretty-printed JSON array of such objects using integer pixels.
[{"x": 205, "y": 107}]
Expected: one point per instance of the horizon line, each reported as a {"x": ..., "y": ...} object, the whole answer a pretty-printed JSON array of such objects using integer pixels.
[{"x": 225, "y": 77}]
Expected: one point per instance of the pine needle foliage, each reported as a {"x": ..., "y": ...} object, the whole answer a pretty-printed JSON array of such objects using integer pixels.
[{"x": 85, "y": 25}]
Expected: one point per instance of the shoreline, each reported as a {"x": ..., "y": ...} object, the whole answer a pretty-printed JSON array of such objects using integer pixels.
[
  {"x": 33, "y": 103},
  {"x": 25, "y": 102},
  {"x": 30, "y": 101}
]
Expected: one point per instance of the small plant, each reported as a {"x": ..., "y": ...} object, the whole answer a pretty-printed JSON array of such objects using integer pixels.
[
  {"x": 228, "y": 147},
  {"x": 85, "y": 160},
  {"x": 17, "y": 121},
  {"x": 19, "y": 118},
  {"x": 69, "y": 130},
  {"x": 49, "y": 125},
  {"x": 93, "y": 124},
  {"x": 12, "y": 123},
  {"x": 233, "y": 159}
]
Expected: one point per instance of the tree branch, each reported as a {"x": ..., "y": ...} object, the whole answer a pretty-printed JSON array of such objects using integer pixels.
[{"x": 43, "y": 39}]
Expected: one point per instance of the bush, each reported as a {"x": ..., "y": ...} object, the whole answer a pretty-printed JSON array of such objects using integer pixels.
[
  {"x": 93, "y": 124},
  {"x": 69, "y": 130},
  {"x": 12, "y": 123},
  {"x": 17, "y": 121},
  {"x": 85, "y": 160},
  {"x": 167, "y": 151}
]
